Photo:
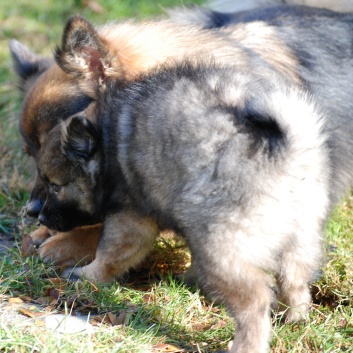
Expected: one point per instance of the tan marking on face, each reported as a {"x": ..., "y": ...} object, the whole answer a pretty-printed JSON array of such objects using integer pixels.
[
  {"x": 52, "y": 87},
  {"x": 48, "y": 88}
]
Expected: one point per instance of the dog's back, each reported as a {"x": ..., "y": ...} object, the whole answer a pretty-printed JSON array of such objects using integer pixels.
[
  {"x": 318, "y": 42},
  {"x": 237, "y": 164}
]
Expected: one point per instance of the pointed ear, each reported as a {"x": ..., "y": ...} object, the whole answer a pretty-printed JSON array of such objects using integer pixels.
[
  {"x": 27, "y": 65},
  {"x": 82, "y": 54},
  {"x": 79, "y": 139}
]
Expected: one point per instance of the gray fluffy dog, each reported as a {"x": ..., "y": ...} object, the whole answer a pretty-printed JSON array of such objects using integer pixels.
[
  {"x": 238, "y": 165},
  {"x": 233, "y": 155}
]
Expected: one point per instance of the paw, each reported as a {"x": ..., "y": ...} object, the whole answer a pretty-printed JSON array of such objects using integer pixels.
[
  {"x": 297, "y": 314},
  {"x": 71, "y": 248},
  {"x": 56, "y": 251},
  {"x": 40, "y": 235},
  {"x": 35, "y": 238},
  {"x": 73, "y": 274},
  {"x": 90, "y": 273}
]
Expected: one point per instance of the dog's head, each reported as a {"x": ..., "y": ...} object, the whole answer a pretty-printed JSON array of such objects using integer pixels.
[
  {"x": 56, "y": 90},
  {"x": 69, "y": 168}
]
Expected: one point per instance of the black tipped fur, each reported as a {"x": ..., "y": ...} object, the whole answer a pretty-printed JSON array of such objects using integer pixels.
[
  {"x": 26, "y": 64},
  {"x": 81, "y": 42}
]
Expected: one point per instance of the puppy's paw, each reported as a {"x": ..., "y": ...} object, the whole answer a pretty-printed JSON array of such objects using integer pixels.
[
  {"x": 58, "y": 252},
  {"x": 298, "y": 314},
  {"x": 90, "y": 272},
  {"x": 40, "y": 235},
  {"x": 71, "y": 248},
  {"x": 32, "y": 240},
  {"x": 73, "y": 274}
]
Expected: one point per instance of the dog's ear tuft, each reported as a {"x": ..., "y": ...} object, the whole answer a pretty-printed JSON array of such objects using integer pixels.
[
  {"x": 79, "y": 139},
  {"x": 27, "y": 64},
  {"x": 82, "y": 53}
]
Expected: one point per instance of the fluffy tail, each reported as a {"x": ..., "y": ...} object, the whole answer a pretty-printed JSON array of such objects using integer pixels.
[
  {"x": 228, "y": 6},
  {"x": 231, "y": 6}
]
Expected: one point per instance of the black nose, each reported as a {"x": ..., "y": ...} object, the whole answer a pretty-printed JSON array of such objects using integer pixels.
[
  {"x": 41, "y": 218},
  {"x": 34, "y": 207}
]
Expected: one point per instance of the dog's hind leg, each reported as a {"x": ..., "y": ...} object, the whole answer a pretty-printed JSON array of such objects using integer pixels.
[
  {"x": 294, "y": 294},
  {"x": 298, "y": 269},
  {"x": 246, "y": 291},
  {"x": 126, "y": 240}
]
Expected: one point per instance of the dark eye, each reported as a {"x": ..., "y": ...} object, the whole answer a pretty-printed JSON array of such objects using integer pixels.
[{"x": 55, "y": 187}]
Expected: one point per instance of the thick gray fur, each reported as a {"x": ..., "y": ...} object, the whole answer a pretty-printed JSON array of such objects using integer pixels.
[{"x": 244, "y": 161}]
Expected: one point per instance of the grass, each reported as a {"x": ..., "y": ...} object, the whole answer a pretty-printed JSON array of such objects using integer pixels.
[{"x": 159, "y": 314}]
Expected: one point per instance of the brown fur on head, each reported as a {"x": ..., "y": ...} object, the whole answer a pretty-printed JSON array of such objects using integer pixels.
[
  {"x": 55, "y": 91},
  {"x": 54, "y": 97}
]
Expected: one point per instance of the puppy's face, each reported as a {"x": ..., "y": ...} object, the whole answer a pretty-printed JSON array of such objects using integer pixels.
[
  {"x": 55, "y": 91},
  {"x": 68, "y": 167},
  {"x": 53, "y": 97}
]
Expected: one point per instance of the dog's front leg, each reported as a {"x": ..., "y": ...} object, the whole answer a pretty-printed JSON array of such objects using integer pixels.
[{"x": 126, "y": 240}]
